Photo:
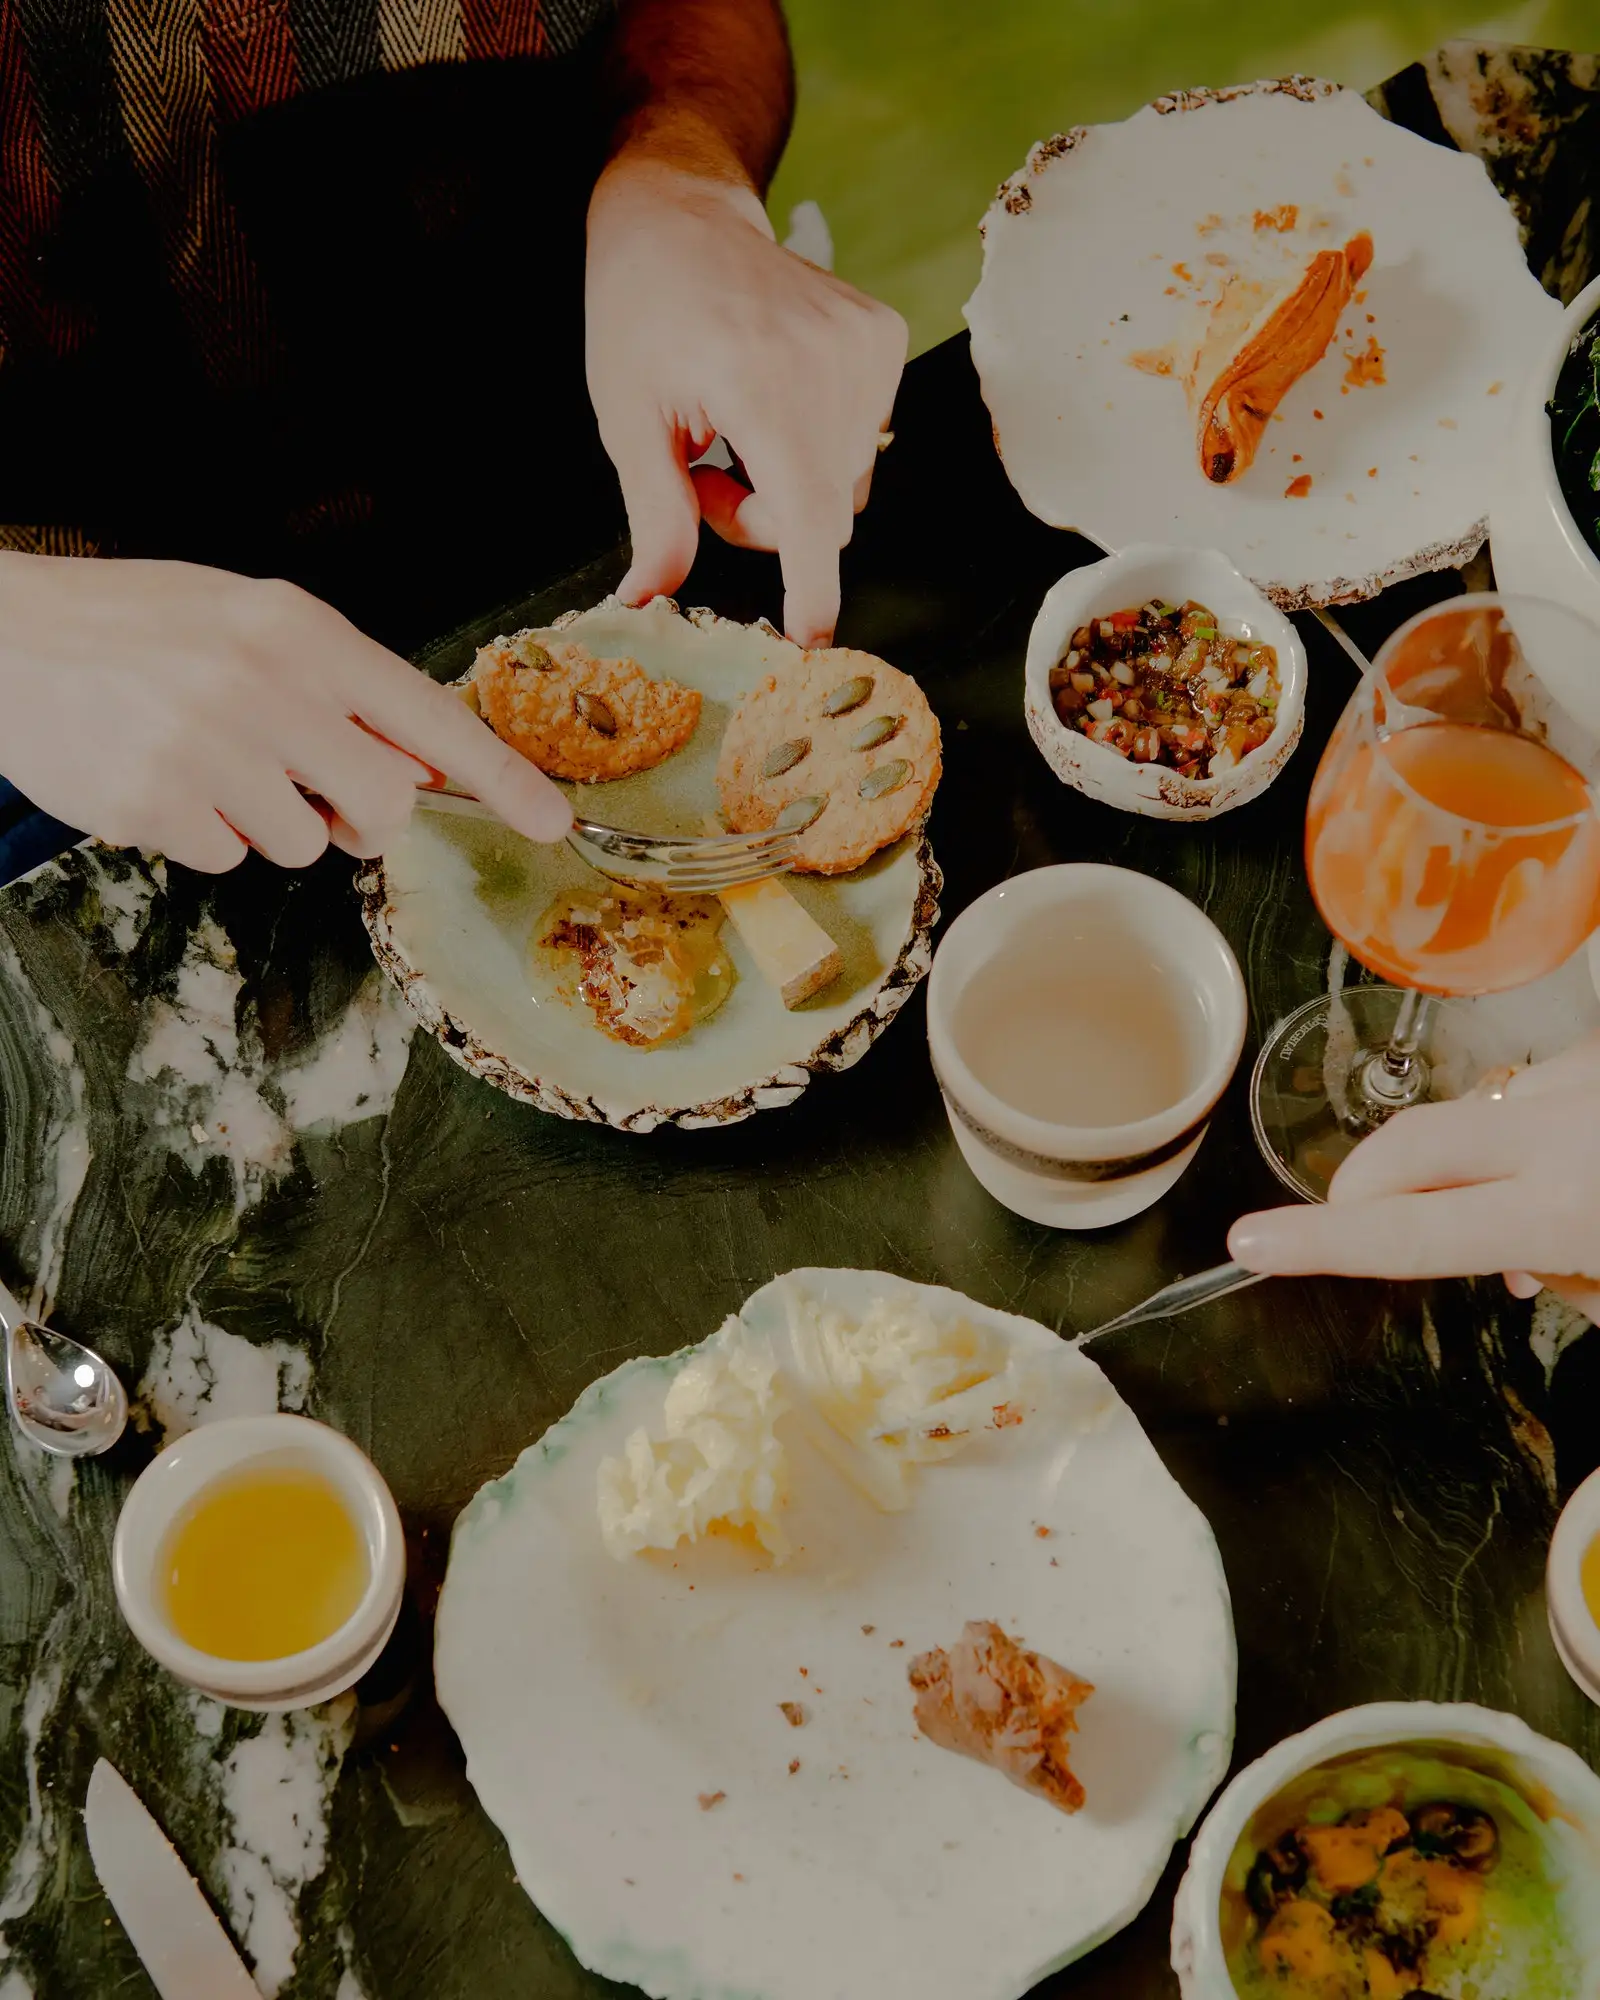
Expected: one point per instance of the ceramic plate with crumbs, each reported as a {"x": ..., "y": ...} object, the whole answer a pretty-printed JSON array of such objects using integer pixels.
[
  {"x": 598, "y": 1002},
  {"x": 1264, "y": 320},
  {"x": 711, "y": 1644}
]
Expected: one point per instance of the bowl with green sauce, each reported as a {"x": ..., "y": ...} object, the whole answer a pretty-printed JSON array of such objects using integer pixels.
[
  {"x": 1441, "y": 1851},
  {"x": 1544, "y": 522}
]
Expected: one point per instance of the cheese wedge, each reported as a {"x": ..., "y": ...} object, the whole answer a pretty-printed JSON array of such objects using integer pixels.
[
  {"x": 1259, "y": 341},
  {"x": 791, "y": 949}
]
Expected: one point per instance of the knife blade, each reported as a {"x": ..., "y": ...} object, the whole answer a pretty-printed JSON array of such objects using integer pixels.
[{"x": 169, "y": 1922}]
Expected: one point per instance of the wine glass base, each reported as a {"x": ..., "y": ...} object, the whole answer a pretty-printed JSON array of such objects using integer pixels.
[{"x": 1307, "y": 1101}]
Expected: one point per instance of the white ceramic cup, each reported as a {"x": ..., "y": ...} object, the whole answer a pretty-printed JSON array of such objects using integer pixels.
[
  {"x": 1572, "y": 1623},
  {"x": 1088, "y": 1175},
  {"x": 1563, "y": 1791},
  {"x": 176, "y": 1478}
]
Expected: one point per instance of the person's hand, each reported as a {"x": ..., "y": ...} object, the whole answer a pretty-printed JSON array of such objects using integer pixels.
[
  {"x": 170, "y": 707},
  {"x": 1507, "y": 1183},
  {"x": 698, "y": 324}
]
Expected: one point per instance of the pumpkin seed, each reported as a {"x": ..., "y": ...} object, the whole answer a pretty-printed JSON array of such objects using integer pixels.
[
  {"x": 595, "y": 712},
  {"x": 885, "y": 779},
  {"x": 785, "y": 756},
  {"x": 534, "y": 655},
  {"x": 877, "y": 731},
  {"x": 800, "y": 814},
  {"x": 848, "y": 695}
]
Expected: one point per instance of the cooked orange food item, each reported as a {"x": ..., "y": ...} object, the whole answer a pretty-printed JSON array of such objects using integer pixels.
[
  {"x": 1371, "y": 1906},
  {"x": 1260, "y": 342},
  {"x": 988, "y": 1698}
]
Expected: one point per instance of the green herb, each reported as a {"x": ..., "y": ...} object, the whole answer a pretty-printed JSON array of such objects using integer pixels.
[{"x": 1575, "y": 429}]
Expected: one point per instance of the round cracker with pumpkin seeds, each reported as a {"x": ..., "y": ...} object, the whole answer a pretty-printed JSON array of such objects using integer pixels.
[
  {"x": 842, "y": 726},
  {"x": 577, "y": 716}
]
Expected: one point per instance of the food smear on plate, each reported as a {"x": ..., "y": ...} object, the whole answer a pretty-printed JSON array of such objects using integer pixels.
[
  {"x": 900, "y": 1387},
  {"x": 649, "y": 967},
  {"x": 578, "y": 716},
  {"x": 1298, "y": 487},
  {"x": 1260, "y": 340},
  {"x": 841, "y": 727},
  {"x": 1590, "y": 1575},
  {"x": 1366, "y": 365},
  {"x": 264, "y": 1563},
  {"x": 876, "y": 1396},
  {"x": 1162, "y": 683},
  {"x": 987, "y": 1697}
]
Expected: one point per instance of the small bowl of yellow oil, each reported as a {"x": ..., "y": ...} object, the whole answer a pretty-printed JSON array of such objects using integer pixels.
[
  {"x": 261, "y": 1560},
  {"x": 1572, "y": 1587}
]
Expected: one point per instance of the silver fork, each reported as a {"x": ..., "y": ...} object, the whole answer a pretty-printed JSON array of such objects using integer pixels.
[{"x": 682, "y": 864}]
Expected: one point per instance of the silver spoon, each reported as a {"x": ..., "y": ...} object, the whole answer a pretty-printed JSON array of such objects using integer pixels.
[
  {"x": 1178, "y": 1297},
  {"x": 63, "y": 1396}
]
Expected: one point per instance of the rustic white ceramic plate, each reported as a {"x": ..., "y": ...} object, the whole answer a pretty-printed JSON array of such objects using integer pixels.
[
  {"x": 1097, "y": 249},
  {"x": 452, "y": 908},
  {"x": 598, "y": 1701}
]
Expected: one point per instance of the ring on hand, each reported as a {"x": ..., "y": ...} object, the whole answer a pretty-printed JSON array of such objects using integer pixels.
[{"x": 885, "y": 439}]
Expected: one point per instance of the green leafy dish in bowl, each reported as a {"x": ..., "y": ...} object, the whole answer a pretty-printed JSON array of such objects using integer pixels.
[
  {"x": 1438, "y": 1850},
  {"x": 1575, "y": 431},
  {"x": 1403, "y": 1870}
]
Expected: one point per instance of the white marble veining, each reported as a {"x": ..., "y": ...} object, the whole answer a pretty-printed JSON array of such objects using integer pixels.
[
  {"x": 275, "y": 1790},
  {"x": 199, "y": 1081},
  {"x": 218, "y": 1096},
  {"x": 199, "y": 1372}
]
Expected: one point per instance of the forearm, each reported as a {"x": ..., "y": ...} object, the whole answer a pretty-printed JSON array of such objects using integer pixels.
[{"x": 702, "y": 86}]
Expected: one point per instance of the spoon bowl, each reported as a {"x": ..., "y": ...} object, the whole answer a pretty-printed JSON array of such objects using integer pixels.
[{"x": 63, "y": 1396}]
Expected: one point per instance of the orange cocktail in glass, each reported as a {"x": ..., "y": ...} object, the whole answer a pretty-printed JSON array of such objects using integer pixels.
[
  {"x": 1451, "y": 848},
  {"x": 1454, "y": 858}
]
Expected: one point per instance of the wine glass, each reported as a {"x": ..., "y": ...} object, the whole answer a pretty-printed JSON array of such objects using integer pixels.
[{"x": 1454, "y": 851}]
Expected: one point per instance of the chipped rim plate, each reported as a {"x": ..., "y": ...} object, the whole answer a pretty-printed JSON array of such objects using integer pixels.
[
  {"x": 599, "y": 1701},
  {"x": 1093, "y": 252},
  {"x": 451, "y": 909}
]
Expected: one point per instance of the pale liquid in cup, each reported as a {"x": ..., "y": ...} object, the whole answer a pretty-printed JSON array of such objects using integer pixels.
[{"x": 1079, "y": 1023}]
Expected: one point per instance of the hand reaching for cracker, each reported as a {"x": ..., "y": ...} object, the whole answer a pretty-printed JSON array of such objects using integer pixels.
[
  {"x": 698, "y": 324},
  {"x": 1507, "y": 1183},
  {"x": 189, "y": 711}
]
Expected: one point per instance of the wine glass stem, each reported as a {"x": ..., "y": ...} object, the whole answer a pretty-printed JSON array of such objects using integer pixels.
[{"x": 1397, "y": 1075}]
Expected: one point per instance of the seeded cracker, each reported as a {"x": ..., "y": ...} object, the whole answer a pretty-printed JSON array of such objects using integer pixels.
[
  {"x": 576, "y": 716},
  {"x": 840, "y": 725}
]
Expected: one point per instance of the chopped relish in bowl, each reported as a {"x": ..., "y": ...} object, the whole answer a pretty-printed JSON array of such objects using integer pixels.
[{"x": 1164, "y": 684}]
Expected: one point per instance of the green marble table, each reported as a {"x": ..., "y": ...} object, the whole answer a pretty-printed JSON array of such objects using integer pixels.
[{"x": 228, "y": 1161}]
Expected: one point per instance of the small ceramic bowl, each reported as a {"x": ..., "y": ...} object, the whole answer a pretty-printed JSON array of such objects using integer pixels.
[
  {"x": 1538, "y": 550},
  {"x": 1084, "y": 1176},
  {"x": 1141, "y": 572},
  {"x": 1557, "y": 1800},
  {"x": 1572, "y": 1623},
  {"x": 177, "y": 1476}
]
